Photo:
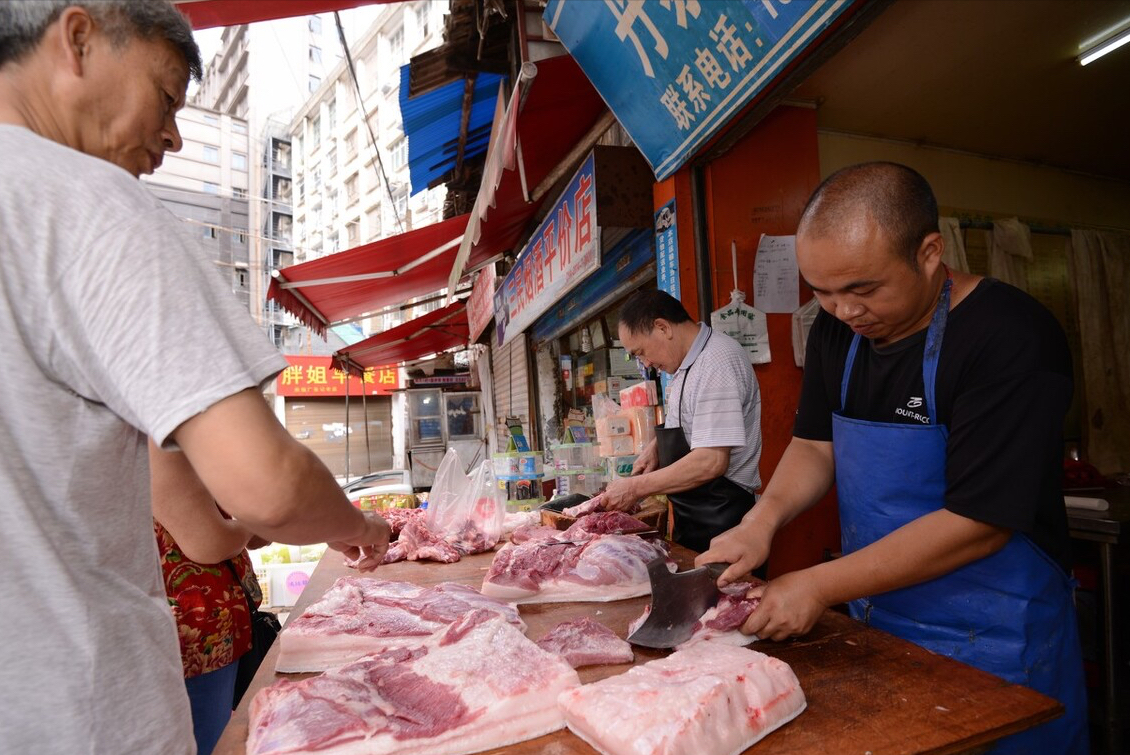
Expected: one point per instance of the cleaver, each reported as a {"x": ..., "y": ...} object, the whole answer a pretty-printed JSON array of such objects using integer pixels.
[{"x": 678, "y": 600}]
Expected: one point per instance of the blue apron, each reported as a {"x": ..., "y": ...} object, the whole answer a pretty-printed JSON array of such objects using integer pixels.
[{"x": 1010, "y": 613}]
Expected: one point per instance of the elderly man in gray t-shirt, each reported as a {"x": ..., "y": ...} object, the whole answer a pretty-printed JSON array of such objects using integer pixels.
[{"x": 705, "y": 456}]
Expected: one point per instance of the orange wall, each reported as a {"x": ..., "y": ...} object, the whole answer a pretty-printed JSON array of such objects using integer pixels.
[{"x": 760, "y": 186}]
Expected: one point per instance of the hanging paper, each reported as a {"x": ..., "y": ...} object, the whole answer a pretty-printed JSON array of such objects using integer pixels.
[
  {"x": 745, "y": 325},
  {"x": 776, "y": 279}
]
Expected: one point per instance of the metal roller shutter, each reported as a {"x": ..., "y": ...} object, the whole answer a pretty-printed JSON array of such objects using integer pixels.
[
  {"x": 511, "y": 385},
  {"x": 319, "y": 423}
]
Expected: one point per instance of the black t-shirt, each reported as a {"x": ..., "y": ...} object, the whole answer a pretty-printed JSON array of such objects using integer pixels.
[{"x": 1003, "y": 386}]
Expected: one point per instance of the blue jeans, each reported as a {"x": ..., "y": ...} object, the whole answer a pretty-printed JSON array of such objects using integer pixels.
[{"x": 211, "y": 698}]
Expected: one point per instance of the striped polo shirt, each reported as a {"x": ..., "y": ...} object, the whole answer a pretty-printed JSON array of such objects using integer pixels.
[{"x": 721, "y": 403}]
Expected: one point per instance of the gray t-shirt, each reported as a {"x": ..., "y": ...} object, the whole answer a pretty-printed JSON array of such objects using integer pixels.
[
  {"x": 114, "y": 325},
  {"x": 721, "y": 403}
]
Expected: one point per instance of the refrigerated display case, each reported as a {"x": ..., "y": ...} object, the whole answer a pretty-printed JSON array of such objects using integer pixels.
[{"x": 438, "y": 420}]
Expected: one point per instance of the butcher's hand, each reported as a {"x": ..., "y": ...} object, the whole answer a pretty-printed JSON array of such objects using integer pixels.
[
  {"x": 790, "y": 606},
  {"x": 648, "y": 460},
  {"x": 366, "y": 551},
  {"x": 621, "y": 495},
  {"x": 744, "y": 547}
]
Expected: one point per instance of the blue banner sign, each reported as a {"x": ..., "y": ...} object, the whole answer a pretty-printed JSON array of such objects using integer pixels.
[
  {"x": 675, "y": 71},
  {"x": 667, "y": 250},
  {"x": 562, "y": 252}
]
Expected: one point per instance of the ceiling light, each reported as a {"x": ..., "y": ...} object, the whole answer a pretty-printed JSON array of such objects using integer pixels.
[{"x": 1102, "y": 48}]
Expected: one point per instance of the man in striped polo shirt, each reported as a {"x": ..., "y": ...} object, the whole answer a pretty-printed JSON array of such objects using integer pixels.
[{"x": 705, "y": 456}]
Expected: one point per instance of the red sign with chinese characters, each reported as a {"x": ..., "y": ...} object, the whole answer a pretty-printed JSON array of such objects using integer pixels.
[
  {"x": 316, "y": 376},
  {"x": 480, "y": 306}
]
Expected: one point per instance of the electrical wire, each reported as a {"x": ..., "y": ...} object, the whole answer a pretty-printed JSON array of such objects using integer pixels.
[{"x": 364, "y": 111}]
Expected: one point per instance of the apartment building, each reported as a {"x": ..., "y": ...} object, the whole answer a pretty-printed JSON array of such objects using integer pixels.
[
  {"x": 206, "y": 184},
  {"x": 350, "y": 158}
]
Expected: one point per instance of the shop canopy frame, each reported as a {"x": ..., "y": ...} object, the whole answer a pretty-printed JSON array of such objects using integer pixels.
[
  {"x": 552, "y": 118},
  {"x": 437, "y": 331},
  {"x": 208, "y": 14},
  {"x": 359, "y": 282}
]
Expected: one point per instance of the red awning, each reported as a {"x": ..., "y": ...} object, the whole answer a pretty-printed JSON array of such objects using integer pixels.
[
  {"x": 552, "y": 107},
  {"x": 436, "y": 331},
  {"x": 346, "y": 285},
  {"x": 205, "y": 14}
]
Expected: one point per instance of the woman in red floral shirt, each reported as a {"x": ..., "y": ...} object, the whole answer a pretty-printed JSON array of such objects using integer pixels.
[{"x": 197, "y": 542}]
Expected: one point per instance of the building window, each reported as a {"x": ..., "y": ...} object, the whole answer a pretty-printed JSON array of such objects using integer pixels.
[
  {"x": 373, "y": 223},
  {"x": 238, "y": 127},
  {"x": 315, "y": 82},
  {"x": 239, "y": 193},
  {"x": 396, "y": 45},
  {"x": 238, "y": 161},
  {"x": 400, "y": 204},
  {"x": 211, "y": 118},
  {"x": 331, "y": 115},
  {"x": 211, "y": 232},
  {"x": 316, "y": 24},
  {"x": 316, "y": 55},
  {"x": 353, "y": 233},
  {"x": 211, "y": 188},
  {"x": 423, "y": 13},
  {"x": 331, "y": 160},
  {"x": 211, "y": 154},
  {"x": 351, "y": 144},
  {"x": 315, "y": 132},
  {"x": 399, "y": 153},
  {"x": 351, "y": 189},
  {"x": 240, "y": 237},
  {"x": 241, "y": 280}
]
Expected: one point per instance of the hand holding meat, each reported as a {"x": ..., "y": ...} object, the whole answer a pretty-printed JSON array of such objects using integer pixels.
[
  {"x": 621, "y": 495},
  {"x": 790, "y": 606},
  {"x": 745, "y": 547},
  {"x": 366, "y": 551}
]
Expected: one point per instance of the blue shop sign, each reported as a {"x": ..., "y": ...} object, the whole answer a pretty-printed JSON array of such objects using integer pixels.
[{"x": 675, "y": 71}]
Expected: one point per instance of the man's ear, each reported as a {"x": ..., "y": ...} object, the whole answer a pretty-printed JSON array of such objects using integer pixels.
[
  {"x": 75, "y": 31},
  {"x": 930, "y": 253},
  {"x": 663, "y": 326}
]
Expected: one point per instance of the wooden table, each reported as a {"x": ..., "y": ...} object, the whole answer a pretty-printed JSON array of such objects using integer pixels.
[{"x": 868, "y": 692}]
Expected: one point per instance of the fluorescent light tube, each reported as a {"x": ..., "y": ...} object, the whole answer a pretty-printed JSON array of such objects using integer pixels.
[{"x": 1104, "y": 47}]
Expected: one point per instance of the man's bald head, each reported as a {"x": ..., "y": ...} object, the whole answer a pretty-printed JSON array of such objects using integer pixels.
[{"x": 897, "y": 199}]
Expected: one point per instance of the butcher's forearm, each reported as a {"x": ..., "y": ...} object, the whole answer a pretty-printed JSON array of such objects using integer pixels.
[
  {"x": 699, "y": 467},
  {"x": 928, "y": 547}
]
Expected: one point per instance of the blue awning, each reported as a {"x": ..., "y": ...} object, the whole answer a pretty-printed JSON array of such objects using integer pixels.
[{"x": 432, "y": 120}]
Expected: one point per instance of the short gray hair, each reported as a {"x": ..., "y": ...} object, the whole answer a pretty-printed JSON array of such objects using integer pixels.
[{"x": 24, "y": 22}]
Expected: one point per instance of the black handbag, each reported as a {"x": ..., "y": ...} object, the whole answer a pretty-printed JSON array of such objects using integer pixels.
[{"x": 265, "y": 627}]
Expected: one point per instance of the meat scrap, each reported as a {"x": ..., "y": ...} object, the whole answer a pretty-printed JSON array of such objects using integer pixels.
[
  {"x": 593, "y": 505},
  {"x": 358, "y": 616},
  {"x": 584, "y": 642},
  {"x": 709, "y": 698},
  {"x": 586, "y": 568},
  {"x": 488, "y": 687},
  {"x": 397, "y": 518}
]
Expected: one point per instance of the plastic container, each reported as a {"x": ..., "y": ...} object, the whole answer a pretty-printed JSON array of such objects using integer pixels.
[
  {"x": 517, "y": 464},
  {"x": 575, "y": 456},
  {"x": 588, "y": 482}
]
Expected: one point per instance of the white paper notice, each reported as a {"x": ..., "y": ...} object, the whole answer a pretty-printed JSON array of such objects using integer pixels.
[{"x": 776, "y": 280}]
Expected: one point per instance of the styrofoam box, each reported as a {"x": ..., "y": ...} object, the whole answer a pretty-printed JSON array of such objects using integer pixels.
[{"x": 286, "y": 582}]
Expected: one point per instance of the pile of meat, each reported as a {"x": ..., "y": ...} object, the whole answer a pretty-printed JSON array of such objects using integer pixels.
[
  {"x": 722, "y": 623},
  {"x": 709, "y": 698},
  {"x": 358, "y": 616},
  {"x": 596, "y": 559},
  {"x": 413, "y": 541},
  {"x": 476, "y": 685}
]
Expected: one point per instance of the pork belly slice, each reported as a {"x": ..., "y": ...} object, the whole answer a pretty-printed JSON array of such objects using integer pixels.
[
  {"x": 602, "y": 568},
  {"x": 359, "y": 615},
  {"x": 709, "y": 698},
  {"x": 593, "y": 505},
  {"x": 584, "y": 642},
  {"x": 723, "y": 622},
  {"x": 477, "y": 686}
]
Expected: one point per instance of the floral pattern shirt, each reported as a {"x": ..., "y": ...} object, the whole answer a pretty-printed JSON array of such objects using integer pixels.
[{"x": 209, "y": 605}]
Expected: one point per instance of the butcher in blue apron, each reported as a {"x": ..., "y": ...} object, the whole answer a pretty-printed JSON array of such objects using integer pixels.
[
  {"x": 934, "y": 400},
  {"x": 705, "y": 456}
]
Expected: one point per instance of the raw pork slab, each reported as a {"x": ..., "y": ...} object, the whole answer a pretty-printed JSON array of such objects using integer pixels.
[
  {"x": 584, "y": 642},
  {"x": 602, "y": 568},
  {"x": 711, "y": 698},
  {"x": 358, "y": 616},
  {"x": 479, "y": 685},
  {"x": 593, "y": 505}
]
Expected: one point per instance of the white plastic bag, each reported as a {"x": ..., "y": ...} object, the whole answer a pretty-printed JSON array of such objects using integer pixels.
[
  {"x": 467, "y": 512},
  {"x": 744, "y": 324},
  {"x": 803, "y": 318}
]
